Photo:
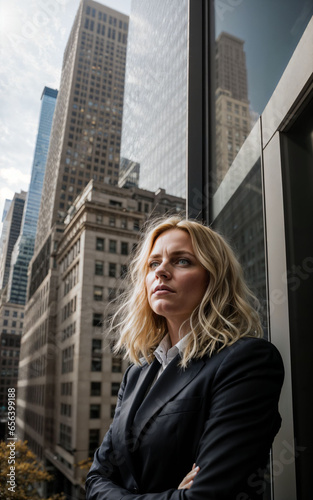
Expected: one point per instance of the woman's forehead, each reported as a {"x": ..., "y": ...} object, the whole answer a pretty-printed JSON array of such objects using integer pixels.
[{"x": 172, "y": 240}]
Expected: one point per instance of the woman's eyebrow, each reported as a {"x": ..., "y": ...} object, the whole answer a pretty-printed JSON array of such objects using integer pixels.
[{"x": 176, "y": 253}]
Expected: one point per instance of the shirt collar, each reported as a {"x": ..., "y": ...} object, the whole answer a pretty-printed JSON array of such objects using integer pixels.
[{"x": 165, "y": 353}]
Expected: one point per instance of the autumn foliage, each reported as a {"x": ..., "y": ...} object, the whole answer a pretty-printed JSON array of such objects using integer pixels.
[{"x": 21, "y": 472}]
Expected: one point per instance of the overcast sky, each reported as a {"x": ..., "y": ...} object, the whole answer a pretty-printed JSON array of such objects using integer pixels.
[{"x": 33, "y": 35}]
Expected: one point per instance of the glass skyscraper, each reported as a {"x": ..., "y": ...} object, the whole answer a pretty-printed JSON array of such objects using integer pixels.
[
  {"x": 155, "y": 105},
  {"x": 24, "y": 247},
  {"x": 13, "y": 222}
]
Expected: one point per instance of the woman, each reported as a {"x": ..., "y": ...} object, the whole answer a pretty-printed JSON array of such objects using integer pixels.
[{"x": 197, "y": 409}]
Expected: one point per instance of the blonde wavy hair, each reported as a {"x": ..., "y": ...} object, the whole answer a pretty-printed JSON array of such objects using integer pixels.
[{"x": 227, "y": 312}]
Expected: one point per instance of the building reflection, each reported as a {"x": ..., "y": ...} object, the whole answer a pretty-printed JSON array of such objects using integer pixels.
[{"x": 233, "y": 122}]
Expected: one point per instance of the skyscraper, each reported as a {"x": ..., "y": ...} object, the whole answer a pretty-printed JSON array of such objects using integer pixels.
[
  {"x": 4, "y": 231},
  {"x": 11, "y": 315},
  {"x": 24, "y": 247},
  {"x": 233, "y": 122},
  {"x": 84, "y": 146},
  {"x": 86, "y": 133},
  {"x": 13, "y": 220},
  {"x": 155, "y": 107},
  {"x": 231, "y": 71}
]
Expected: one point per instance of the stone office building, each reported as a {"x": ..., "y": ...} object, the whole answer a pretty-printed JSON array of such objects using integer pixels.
[{"x": 69, "y": 378}]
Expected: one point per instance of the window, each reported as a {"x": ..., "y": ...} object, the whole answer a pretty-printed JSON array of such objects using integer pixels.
[
  {"x": 68, "y": 359},
  {"x": 66, "y": 437},
  {"x": 95, "y": 389},
  {"x": 94, "y": 437},
  {"x": 97, "y": 319},
  {"x": 112, "y": 246},
  {"x": 98, "y": 293},
  {"x": 112, "y": 269},
  {"x": 112, "y": 410},
  {"x": 124, "y": 248},
  {"x": 96, "y": 355},
  {"x": 66, "y": 410},
  {"x": 66, "y": 388},
  {"x": 112, "y": 221},
  {"x": 117, "y": 364},
  {"x": 99, "y": 219},
  {"x": 136, "y": 225},
  {"x": 100, "y": 244},
  {"x": 115, "y": 203},
  {"x": 115, "y": 388},
  {"x": 99, "y": 267},
  {"x": 95, "y": 411}
]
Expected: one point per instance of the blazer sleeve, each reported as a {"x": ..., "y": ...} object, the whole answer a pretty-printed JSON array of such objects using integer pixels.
[
  {"x": 242, "y": 422},
  {"x": 103, "y": 478}
]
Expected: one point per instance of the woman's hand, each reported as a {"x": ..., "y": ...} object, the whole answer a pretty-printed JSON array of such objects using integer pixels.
[{"x": 188, "y": 479}]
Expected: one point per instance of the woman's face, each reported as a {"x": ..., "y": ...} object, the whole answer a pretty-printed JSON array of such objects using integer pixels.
[{"x": 176, "y": 281}]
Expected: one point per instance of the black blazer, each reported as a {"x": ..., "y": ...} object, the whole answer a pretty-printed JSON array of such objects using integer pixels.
[{"x": 220, "y": 412}]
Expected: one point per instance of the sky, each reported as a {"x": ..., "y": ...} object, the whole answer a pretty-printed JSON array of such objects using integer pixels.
[{"x": 33, "y": 36}]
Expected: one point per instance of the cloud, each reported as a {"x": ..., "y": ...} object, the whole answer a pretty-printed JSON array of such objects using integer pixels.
[{"x": 15, "y": 177}]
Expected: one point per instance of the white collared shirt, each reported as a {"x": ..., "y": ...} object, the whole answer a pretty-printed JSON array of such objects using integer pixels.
[{"x": 164, "y": 353}]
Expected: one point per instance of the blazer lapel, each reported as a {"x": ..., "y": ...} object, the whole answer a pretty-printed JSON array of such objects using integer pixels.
[
  {"x": 131, "y": 403},
  {"x": 170, "y": 383}
]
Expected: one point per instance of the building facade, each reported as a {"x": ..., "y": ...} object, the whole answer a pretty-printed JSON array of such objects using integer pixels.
[
  {"x": 86, "y": 133},
  {"x": 11, "y": 327},
  {"x": 69, "y": 378},
  {"x": 11, "y": 315},
  {"x": 24, "y": 246}
]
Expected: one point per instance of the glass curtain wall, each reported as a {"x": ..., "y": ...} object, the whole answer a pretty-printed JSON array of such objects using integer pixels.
[
  {"x": 199, "y": 77},
  {"x": 155, "y": 101},
  {"x": 253, "y": 44},
  {"x": 254, "y": 165}
]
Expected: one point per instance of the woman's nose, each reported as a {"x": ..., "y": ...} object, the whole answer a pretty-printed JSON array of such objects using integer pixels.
[{"x": 162, "y": 271}]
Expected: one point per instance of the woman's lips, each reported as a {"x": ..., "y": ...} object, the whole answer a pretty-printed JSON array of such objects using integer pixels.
[{"x": 162, "y": 290}]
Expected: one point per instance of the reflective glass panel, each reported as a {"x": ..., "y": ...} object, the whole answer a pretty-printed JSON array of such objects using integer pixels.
[
  {"x": 155, "y": 102},
  {"x": 253, "y": 44}
]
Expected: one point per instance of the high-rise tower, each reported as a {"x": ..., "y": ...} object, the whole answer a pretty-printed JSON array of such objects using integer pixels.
[
  {"x": 231, "y": 70},
  {"x": 156, "y": 93},
  {"x": 24, "y": 247},
  {"x": 86, "y": 133},
  {"x": 4, "y": 231},
  {"x": 233, "y": 122},
  {"x": 13, "y": 221}
]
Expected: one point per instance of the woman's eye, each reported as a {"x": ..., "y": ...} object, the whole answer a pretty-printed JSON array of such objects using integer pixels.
[
  {"x": 153, "y": 265},
  {"x": 183, "y": 261}
]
